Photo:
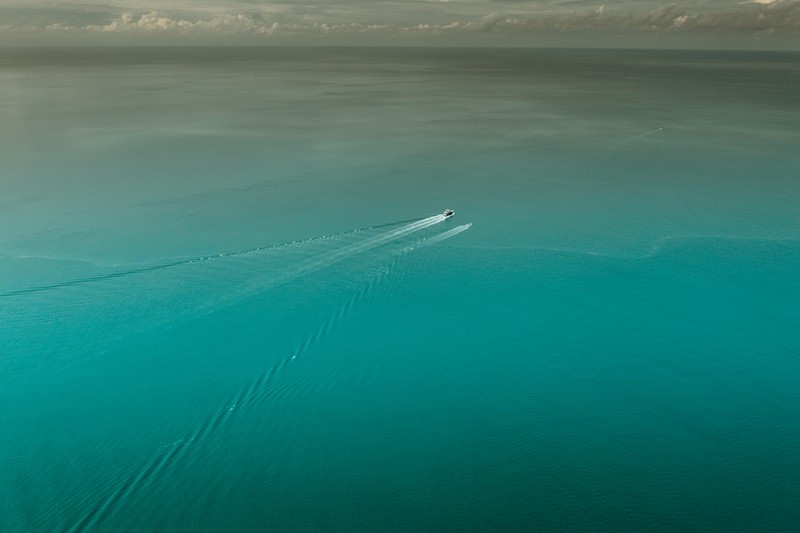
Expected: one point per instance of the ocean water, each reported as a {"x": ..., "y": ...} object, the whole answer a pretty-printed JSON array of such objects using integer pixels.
[{"x": 229, "y": 302}]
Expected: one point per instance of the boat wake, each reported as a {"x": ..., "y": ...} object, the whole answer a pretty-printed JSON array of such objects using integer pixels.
[
  {"x": 194, "y": 260},
  {"x": 268, "y": 383},
  {"x": 90, "y": 314}
]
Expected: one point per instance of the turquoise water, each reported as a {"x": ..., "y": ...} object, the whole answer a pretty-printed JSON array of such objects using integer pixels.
[{"x": 228, "y": 302}]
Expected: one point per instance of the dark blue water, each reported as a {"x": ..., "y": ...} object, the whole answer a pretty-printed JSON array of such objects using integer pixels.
[{"x": 227, "y": 301}]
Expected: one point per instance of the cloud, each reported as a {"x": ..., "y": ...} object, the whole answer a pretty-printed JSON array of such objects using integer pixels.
[
  {"x": 155, "y": 22},
  {"x": 515, "y": 19}
]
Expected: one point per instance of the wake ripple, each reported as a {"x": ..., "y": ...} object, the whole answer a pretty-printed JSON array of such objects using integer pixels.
[
  {"x": 81, "y": 316},
  {"x": 194, "y": 260},
  {"x": 173, "y": 453},
  {"x": 263, "y": 387}
]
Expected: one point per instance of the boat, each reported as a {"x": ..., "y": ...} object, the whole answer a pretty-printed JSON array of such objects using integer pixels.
[{"x": 448, "y": 213}]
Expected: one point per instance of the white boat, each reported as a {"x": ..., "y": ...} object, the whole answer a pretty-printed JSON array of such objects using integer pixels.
[{"x": 448, "y": 213}]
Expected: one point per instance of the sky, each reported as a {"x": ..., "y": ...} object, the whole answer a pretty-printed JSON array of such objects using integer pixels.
[{"x": 750, "y": 24}]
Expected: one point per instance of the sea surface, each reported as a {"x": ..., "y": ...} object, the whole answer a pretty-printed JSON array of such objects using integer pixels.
[{"x": 229, "y": 300}]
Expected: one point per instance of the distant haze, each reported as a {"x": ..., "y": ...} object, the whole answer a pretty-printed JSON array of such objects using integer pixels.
[{"x": 759, "y": 24}]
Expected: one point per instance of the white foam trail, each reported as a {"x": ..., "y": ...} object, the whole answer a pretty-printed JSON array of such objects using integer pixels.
[
  {"x": 345, "y": 252},
  {"x": 47, "y": 319},
  {"x": 446, "y": 235}
]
